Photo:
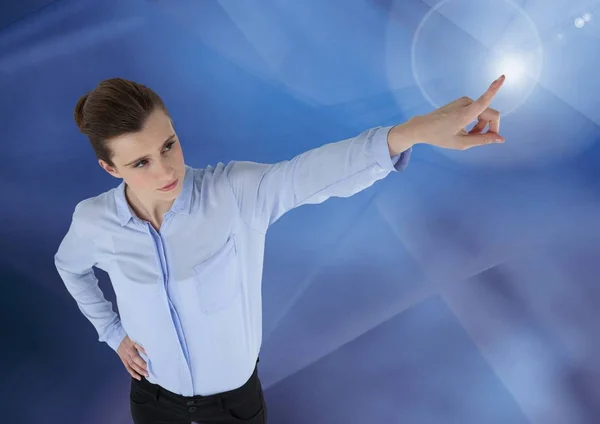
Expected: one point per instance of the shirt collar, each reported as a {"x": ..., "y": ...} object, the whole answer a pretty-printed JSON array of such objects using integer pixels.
[{"x": 182, "y": 204}]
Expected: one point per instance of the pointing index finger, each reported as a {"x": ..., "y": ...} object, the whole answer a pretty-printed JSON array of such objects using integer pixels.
[{"x": 482, "y": 103}]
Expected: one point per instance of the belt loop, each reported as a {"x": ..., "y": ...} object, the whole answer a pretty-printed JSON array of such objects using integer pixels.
[{"x": 221, "y": 402}]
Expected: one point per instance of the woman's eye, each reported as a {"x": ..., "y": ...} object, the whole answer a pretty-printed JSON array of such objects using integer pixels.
[{"x": 142, "y": 163}]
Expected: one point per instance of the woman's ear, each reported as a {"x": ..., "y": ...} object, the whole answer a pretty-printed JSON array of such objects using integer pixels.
[{"x": 108, "y": 168}]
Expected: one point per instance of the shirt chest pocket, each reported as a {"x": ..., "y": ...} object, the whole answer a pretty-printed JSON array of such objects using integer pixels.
[{"x": 217, "y": 279}]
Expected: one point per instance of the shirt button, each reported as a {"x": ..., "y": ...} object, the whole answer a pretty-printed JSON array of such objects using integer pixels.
[
  {"x": 192, "y": 409},
  {"x": 191, "y": 402}
]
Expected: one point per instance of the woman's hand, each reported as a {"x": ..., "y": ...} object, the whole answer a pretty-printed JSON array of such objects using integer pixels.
[
  {"x": 128, "y": 352},
  {"x": 446, "y": 127}
]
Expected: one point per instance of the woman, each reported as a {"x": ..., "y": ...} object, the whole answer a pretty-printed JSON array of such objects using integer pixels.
[{"x": 184, "y": 247}]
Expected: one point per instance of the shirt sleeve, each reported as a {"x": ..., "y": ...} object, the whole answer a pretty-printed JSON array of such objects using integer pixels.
[
  {"x": 264, "y": 192},
  {"x": 74, "y": 261}
]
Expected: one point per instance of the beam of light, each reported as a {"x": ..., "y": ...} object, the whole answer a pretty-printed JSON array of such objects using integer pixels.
[
  {"x": 512, "y": 66},
  {"x": 518, "y": 56}
]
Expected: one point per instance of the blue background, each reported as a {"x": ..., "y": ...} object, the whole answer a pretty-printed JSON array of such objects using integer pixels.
[{"x": 463, "y": 290}]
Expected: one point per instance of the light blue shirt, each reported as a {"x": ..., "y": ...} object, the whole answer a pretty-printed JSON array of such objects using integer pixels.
[{"x": 190, "y": 294}]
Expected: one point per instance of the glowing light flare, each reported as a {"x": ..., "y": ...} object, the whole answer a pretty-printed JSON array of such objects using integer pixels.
[{"x": 511, "y": 66}]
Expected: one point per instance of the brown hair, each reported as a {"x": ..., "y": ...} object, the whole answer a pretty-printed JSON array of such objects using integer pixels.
[{"x": 115, "y": 107}]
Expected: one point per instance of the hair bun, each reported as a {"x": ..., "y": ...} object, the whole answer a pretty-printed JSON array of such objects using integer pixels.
[{"x": 79, "y": 111}]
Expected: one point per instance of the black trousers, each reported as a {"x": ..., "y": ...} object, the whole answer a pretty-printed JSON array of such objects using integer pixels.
[{"x": 152, "y": 404}]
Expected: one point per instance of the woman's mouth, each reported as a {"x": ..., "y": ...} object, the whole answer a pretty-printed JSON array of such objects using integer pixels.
[{"x": 169, "y": 186}]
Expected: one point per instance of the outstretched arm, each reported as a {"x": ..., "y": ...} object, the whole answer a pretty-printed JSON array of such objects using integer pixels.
[{"x": 264, "y": 192}]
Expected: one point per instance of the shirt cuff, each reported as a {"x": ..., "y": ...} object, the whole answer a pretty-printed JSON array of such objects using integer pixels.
[
  {"x": 381, "y": 151},
  {"x": 116, "y": 337}
]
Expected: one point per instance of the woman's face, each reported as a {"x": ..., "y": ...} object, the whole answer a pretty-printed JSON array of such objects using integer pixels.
[{"x": 150, "y": 161}]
